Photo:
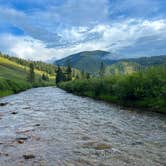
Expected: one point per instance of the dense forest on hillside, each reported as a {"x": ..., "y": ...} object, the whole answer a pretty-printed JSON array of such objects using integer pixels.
[{"x": 149, "y": 61}]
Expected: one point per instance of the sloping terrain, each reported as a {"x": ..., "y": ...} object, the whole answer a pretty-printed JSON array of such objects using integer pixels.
[
  {"x": 123, "y": 67},
  {"x": 13, "y": 77},
  {"x": 90, "y": 61}
]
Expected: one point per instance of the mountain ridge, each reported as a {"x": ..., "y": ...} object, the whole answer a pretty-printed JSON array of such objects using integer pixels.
[
  {"x": 84, "y": 60},
  {"x": 90, "y": 62}
]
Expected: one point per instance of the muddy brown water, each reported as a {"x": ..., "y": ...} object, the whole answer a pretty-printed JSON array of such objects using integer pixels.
[{"x": 49, "y": 127}]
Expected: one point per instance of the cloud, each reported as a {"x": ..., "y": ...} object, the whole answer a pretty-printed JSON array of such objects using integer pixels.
[
  {"x": 130, "y": 37},
  {"x": 46, "y": 26},
  {"x": 119, "y": 36},
  {"x": 25, "y": 47},
  {"x": 145, "y": 9},
  {"x": 29, "y": 48},
  {"x": 42, "y": 31},
  {"x": 27, "y": 24}
]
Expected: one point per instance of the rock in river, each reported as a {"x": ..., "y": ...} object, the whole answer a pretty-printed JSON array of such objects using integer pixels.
[
  {"x": 3, "y": 104},
  {"x": 28, "y": 156},
  {"x": 14, "y": 112},
  {"x": 20, "y": 141}
]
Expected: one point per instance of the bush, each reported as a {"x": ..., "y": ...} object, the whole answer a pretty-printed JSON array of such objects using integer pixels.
[
  {"x": 142, "y": 89},
  {"x": 12, "y": 86}
]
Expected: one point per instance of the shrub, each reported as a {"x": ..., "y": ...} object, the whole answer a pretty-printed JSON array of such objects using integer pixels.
[{"x": 145, "y": 89}]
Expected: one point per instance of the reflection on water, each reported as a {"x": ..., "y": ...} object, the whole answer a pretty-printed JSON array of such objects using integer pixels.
[{"x": 51, "y": 127}]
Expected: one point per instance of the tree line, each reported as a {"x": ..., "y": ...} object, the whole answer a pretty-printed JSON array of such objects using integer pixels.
[
  {"x": 48, "y": 68},
  {"x": 62, "y": 74},
  {"x": 68, "y": 74}
]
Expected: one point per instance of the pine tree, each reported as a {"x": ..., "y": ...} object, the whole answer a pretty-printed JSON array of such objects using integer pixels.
[
  {"x": 82, "y": 74},
  {"x": 102, "y": 70},
  {"x": 77, "y": 77},
  {"x": 59, "y": 75},
  {"x": 68, "y": 73},
  {"x": 45, "y": 77},
  {"x": 31, "y": 76},
  {"x": 87, "y": 75}
]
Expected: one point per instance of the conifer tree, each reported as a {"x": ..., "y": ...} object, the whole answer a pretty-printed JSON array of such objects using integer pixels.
[
  {"x": 68, "y": 73},
  {"x": 31, "y": 76},
  {"x": 45, "y": 77},
  {"x": 87, "y": 75},
  {"x": 82, "y": 74},
  {"x": 102, "y": 70},
  {"x": 59, "y": 75}
]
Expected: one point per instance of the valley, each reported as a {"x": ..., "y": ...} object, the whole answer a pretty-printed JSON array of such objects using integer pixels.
[{"x": 82, "y": 83}]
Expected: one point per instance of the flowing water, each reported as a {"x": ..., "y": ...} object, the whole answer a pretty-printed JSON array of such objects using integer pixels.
[{"x": 49, "y": 127}]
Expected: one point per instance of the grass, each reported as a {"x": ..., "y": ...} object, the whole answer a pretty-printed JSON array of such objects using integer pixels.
[
  {"x": 13, "y": 78},
  {"x": 15, "y": 66}
]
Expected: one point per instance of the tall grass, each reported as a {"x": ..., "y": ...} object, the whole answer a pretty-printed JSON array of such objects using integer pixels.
[{"x": 8, "y": 87}]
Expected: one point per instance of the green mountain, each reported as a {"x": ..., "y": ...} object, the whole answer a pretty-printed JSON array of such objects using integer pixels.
[
  {"x": 90, "y": 61},
  {"x": 149, "y": 61}
]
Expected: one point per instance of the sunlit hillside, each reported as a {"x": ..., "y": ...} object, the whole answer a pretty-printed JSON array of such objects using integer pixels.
[{"x": 13, "y": 77}]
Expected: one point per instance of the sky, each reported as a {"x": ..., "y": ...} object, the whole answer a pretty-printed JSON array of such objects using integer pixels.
[{"x": 48, "y": 30}]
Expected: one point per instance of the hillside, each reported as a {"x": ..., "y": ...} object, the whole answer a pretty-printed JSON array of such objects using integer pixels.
[
  {"x": 149, "y": 61},
  {"x": 13, "y": 77},
  {"x": 122, "y": 67},
  {"x": 90, "y": 61}
]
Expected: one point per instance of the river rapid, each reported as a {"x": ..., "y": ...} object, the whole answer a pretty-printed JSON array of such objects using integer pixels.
[{"x": 49, "y": 127}]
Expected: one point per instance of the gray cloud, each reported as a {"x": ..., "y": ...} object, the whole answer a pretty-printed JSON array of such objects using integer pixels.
[
  {"x": 146, "y": 46},
  {"x": 59, "y": 29},
  {"x": 45, "y": 25}
]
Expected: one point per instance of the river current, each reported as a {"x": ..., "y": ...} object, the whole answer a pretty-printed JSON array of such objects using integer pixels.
[{"x": 49, "y": 127}]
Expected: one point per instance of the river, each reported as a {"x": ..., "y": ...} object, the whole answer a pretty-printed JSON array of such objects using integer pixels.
[{"x": 49, "y": 127}]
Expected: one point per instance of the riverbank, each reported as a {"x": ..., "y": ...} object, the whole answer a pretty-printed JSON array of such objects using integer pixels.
[
  {"x": 145, "y": 90},
  {"x": 14, "y": 75},
  {"x": 9, "y": 87}
]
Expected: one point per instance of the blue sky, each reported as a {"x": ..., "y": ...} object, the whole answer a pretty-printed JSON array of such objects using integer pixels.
[{"x": 52, "y": 29}]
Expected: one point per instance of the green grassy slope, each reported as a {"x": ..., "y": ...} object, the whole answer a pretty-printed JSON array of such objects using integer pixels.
[{"x": 13, "y": 77}]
